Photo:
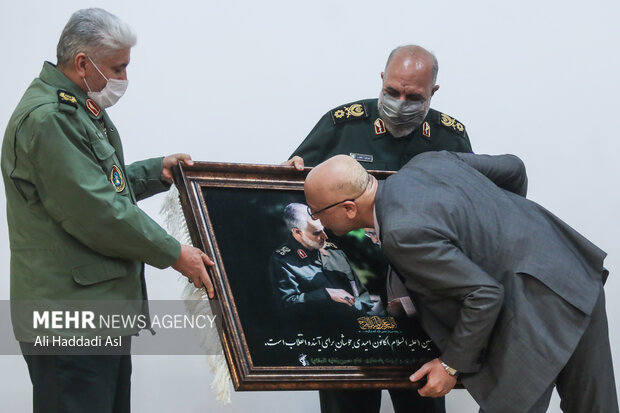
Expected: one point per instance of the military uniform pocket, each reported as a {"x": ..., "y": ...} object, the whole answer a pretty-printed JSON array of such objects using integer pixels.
[
  {"x": 106, "y": 157},
  {"x": 97, "y": 272},
  {"x": 102, "y": 149}
]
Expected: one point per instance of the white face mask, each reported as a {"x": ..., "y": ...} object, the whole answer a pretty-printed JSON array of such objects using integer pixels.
[
  {"x": 401, "y": 117},
  {"x": 111, "y": 93}
]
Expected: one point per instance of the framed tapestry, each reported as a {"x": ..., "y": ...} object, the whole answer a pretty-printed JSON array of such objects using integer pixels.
[{"x": 279, "y": 327}]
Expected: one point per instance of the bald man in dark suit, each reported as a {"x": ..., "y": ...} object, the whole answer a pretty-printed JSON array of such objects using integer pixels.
[{"x": 511, "y": 295}]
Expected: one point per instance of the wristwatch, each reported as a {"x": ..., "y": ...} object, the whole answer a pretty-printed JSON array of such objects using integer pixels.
[{"x": 451, "y": 371}]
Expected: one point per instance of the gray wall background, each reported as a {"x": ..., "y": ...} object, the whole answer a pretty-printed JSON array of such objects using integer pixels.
[{"x": 245, "y": 81}]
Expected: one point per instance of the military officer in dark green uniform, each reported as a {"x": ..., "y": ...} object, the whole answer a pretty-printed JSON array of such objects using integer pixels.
[
  {"x": 384, "y": 134},
  {"x": 74, "y": 228},
  {"x": 311, "y": 275}
]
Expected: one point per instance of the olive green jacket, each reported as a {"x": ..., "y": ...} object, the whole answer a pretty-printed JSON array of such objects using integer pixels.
[
  {"x": 74, "y": 228},
  {"x": 356, "y": 129}
]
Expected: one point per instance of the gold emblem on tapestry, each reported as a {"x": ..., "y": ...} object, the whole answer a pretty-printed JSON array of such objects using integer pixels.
[{"x": 376, "y": 323}]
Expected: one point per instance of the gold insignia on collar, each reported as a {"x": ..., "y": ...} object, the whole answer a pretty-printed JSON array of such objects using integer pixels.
[
  {"x": 452, "y": 123},
  {"x": 380, "y": 127},
  {"x": 66, "y": 98},
  {"x": 356, "y": 110},
  {"x": 92, "y": 107},
  {"x": 344, "y": 113},
  {"x": 426, "y": 130}
]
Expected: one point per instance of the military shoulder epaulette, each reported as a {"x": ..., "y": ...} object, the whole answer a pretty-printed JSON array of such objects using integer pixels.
[
  {"x": 283, "y": 250},
  {"x": 331, "y": 246},
  {"x": 347, "y": 113},
  {"x": 451, "y": 123},
  {"x": 67, "y": 100}
]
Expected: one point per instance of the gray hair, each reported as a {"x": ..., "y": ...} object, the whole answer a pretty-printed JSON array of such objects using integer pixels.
[
  {"x": 296, "y": 216},
  {"x": 95, "y": 32},
  {"x": 415, "y": 50}
]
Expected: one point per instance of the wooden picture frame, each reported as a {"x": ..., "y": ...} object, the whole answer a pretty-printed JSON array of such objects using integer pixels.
[{"x": 233, "y": 212}]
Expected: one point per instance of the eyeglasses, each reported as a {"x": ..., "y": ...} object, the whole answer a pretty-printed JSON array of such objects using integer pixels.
[{"x": 314, "y": 215}]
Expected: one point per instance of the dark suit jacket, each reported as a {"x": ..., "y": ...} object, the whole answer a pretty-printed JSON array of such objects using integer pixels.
[{"x": 457, "y": 227}]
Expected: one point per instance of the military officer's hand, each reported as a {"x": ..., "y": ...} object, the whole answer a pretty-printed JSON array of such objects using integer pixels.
[
  {"x": 341, "y": 296},
  {"x": 438, "y": 381},
  {"x": 191, "y": 263},
  {"x": 172, "y": 160},
  {"x": 296, "y": 161}
]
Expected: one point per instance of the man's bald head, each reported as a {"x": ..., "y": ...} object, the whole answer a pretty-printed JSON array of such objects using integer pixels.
[
  {"x": 413, "y": 58},
  {"x": 338, "y": 177},
  {"x": 339, "y": 180}
]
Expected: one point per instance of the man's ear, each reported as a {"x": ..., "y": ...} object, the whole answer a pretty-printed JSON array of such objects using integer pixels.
[
  {"x": 79, "y": 64},
  {"x": 297, "y": 234},
  {"x": 350, "y": 208}
]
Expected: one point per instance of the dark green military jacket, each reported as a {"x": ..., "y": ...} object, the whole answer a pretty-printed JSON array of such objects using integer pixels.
[
  {"x": 300, "y": 277},
  {"x": 356, "y": 129},
  {"x": 74, "y": 228}
]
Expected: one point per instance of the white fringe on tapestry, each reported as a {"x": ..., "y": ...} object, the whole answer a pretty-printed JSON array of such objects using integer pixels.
[{"x": 196, "y": 299}]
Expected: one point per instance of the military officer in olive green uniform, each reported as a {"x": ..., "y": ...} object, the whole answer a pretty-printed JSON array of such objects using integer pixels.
[
  {"x": 384, "y": 134},
  {"x": 311, "y": 275},
  {"x": 74, "y": 228}
]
